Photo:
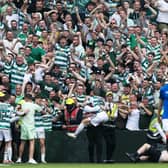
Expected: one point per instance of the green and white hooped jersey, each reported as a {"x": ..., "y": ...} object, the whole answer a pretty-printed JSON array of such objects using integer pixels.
[
  {"x": 38, "y": 120},
  {"x": 97, "y": 100},
  {"x": 5, "y": 115},
  {"x": 47, "y": 122},
  {"x": 62, "y": 56},
  {"x": 156, "y": 50},
  {"x": 17, "y": 73},
  {"x": 7, "y": 68},
  {"x": 80, "y": 98}
]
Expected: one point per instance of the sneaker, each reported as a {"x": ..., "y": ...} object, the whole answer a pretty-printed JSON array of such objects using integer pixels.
[
  {"x": 131, "y": 157},
  {"x": 10, "y": 162},
  {"x": 43, "y": 161},
  {"x": 19, "y": 160},
  {"x": 32, "y": 161},
  {"x": 5, "y": 161},
  {"x": 72, "y": 135}
]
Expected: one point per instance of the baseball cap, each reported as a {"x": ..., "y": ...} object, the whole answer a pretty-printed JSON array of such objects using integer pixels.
[
  {"x": 69, "y": 101},
  {"x": 2, "y": 94}
]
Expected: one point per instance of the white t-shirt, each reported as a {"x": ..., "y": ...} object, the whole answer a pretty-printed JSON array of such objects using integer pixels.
[
  {"x": 39, "y": 73},
  {"x": 163, "y": 12},
  {"x": 9, "y": 18},
  {"x": 133, "y": 120},
  {"x": 10, "y": 44},
  {"x": 117, "y": 17}
]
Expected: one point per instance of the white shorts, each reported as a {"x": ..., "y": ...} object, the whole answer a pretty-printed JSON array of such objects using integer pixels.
[
  {"x": 5, "y": 134},
  {"x": 40, "y": 134},
  {"x": 99, "y": 118},
  {"x": 165, "y": 124}
]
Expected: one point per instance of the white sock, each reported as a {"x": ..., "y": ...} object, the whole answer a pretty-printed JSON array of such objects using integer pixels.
[
  {"x": 9, "y": 153},
  {"x": 43, "y": 157},
  {"x": 79, "y": 129},
  {"x": 5, "y": 155}
]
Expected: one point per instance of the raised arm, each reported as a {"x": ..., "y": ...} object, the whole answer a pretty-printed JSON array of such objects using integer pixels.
[{"x": 79, "y": 77}]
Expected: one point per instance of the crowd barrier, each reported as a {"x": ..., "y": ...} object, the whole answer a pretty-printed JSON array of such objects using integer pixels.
[{"x": 61, "y": 148}]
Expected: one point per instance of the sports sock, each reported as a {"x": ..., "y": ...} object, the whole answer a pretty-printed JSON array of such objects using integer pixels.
[
  {"x": 9, "y": 149},
  {"x": 43, "y": 157},
  {"x": 79, "y": 129},
  {"x": 5, "y": 155}
]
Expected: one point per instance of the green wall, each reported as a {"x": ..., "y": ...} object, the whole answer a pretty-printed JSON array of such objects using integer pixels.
[{"x": 61, "y": 148}]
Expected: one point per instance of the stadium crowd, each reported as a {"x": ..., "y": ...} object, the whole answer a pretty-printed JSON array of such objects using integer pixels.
[{"x": 74, "y": 59}]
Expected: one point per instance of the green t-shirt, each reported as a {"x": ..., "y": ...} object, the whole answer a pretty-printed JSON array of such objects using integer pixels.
[
  {"x": 37, "y": 53},
  {"x": 29, "y": 60},
  {"x": 46, "y": 88},
  {"x": 19, "y": 98},
  {"x": 22, "y": 37},
  {"x": 133, "y": 41}
]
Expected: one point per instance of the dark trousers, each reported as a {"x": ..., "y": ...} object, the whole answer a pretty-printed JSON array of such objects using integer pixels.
[
  {"x": 15, "y": 140},
  {"x": 110, "y": 141},
  {"x": 95, "y": 143}
]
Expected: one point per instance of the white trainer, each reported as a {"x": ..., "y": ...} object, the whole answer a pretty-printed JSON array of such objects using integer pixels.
[
  {"x": 19, "y": 160},
  {"x": 72, "y": 135},
  {"x": 32, "y": 161},
  {"x": 43, "y": 161}
]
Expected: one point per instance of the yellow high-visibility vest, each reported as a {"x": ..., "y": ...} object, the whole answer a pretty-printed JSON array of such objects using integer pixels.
[{"x": 111, "y": 113}]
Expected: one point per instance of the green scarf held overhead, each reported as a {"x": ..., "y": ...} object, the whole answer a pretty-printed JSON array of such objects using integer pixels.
[{"x": 133, "y": 41}]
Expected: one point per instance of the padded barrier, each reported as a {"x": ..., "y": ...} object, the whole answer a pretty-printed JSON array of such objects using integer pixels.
[{"x": 61, "y": 148}]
